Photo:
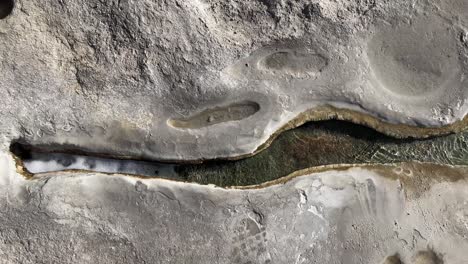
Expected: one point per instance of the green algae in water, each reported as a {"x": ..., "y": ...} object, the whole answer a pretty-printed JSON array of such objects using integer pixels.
[{"x": 327, "y": 143}]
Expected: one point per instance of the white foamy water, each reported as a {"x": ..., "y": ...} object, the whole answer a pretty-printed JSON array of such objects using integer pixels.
[{"x": 50, "y": 162}]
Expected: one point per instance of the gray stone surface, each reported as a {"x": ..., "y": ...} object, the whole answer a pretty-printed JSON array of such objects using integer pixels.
[
  {"x": 354, "y": 215},
  {"x": 187, "y": 80},
  {"x": 203, "y": 79}
]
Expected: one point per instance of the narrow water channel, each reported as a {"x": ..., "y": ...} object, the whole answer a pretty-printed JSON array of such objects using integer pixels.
[{"x": 313, "y": 144}]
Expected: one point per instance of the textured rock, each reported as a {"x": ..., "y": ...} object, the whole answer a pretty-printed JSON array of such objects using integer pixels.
[
  {"x": 190, "y": 80},
  {"x": 200, "y": 79},
  {"x": 348, "y": 215}
]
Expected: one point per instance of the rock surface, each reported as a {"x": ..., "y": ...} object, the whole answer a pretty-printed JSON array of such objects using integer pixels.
[
  {"x": 201, "y": 79},
  {"x": 347, "y": 215},
  {"x": 192, "y": 80}
]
